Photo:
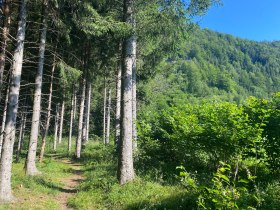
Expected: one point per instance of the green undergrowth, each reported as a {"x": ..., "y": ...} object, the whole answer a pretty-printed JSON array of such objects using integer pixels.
[
  {"x": 38, "y": 192},
  {"x": 101, "y": 190}
]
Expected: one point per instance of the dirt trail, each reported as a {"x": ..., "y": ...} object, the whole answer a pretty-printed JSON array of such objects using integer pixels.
[{"x": 70, "y": 184}]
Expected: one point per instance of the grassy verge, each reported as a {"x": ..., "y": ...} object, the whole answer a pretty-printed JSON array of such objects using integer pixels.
[{"x": 37, "y": 192}]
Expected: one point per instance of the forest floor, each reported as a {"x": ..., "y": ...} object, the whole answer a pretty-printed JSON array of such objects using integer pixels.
[{"x": 58, "y": 183}]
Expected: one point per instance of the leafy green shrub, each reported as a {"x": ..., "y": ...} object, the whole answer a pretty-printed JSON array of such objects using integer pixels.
[{"x": 197, "y": 135}]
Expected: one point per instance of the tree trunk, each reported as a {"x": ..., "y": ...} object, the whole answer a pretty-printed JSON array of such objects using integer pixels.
[
  {"x": 85, "y": 118},
  {"x": 10, "y": 125},
  {"x": 5, "y": 38},
  {"x": 61, "y": 121},
  {"x": 134, "y": 107},
  {"x": 88, "y": 111},
  {"x": 44, "y": 139},
  {"x": 81, "y": 115},
  {"x": 71, "y": 121},
  {"x": 56, "y": 127},
  {"x": 31, "y": 169},
  {"x": 108, "y": 117},
  {"x": 4, "y": 120},
  {"x": 21, "y": 136},
  {"x": 125, "y": 167},
  {"x": 104, "y": 113},
  {"x": 75, "y": 105},
  {"x": 118, "y": 105}
]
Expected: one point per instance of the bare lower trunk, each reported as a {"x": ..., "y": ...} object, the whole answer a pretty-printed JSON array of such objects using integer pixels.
[
  {"x": 31, "y": 169},
  {"x": 10, "y": 125},
  {"x": 71, "y": 122},
  {"x": 5, "y": 38},
  {"x": 56, "y": 127},
  {"x": 118, "y": 105},
  {"x": 21, "y": 136},
  {"x": 75, "y": 105},
  {"x": 4, "y": 120},
  {"x": 125, "y": 167},
  {"x": 108, "y": 117},
  {"x": 104, "y": 114},
  {"x": 44, "y": 139},
  {"x": 85, "y": 119},
  {"x": 88, "y": 111},
  {"x": 80, "y": 125},
  {"x": 61, "y": 122},
  {"x": 134, "y": 107}
]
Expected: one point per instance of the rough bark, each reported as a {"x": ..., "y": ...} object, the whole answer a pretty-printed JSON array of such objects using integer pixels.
[
  {"x": 10, "y": 125},
  {"x": 4, "y": 120},
  {"x": 46, "y": 131},
  {"x": 104, "y": 113},
  {"x": 118, "y": 105},
  {"x": 61, "y": 122},
  {"x": 125, "y": 168},
  {"x": 56, "y": 127},
  {"x": 81, "y": 115},
  {"x": 21, "y": 136},
  {"x": 88, "y": 111},
  {"x": 108, "y": 118},
  {"x": 31, "y": 169},
  {"x": 5, "y": 38},
  {"x": 71, "y": 121}
]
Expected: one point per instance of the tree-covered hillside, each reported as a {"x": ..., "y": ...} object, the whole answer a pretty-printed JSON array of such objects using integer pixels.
[{"x": 215, "y": 65}]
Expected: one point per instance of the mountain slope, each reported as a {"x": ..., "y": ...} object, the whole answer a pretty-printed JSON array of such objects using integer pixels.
[{"x": 219, "y": 66}]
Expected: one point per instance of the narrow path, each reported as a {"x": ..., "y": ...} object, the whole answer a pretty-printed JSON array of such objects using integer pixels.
[{"x": 70, "y": 184}]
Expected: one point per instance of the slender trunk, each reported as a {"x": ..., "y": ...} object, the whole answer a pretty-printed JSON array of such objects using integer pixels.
[
  {"x": 125, "y": 167},
  {"x": 80, "y": 125},
  {"x": 88, "y": 111},
  {"x": 5, "y": 38},
  {"x": 4, "y": 120},
  {"x": 9, "y": 138},
  {"x": 21, "y": 136},
  {"x": 75, "y": 105},
  {"x": 134, "y": 107},
  {"x": 71, "y": 121},
  {"x": 61, "y": 122},
  {"x": 56, "y": 127},
  {"x": 108, "y": 117},
  {"x": 31, "y": 169},
  {"x": 85, "y": 118},
  {"x": 104, "y": 113},
  {"x": 118, "y": 105},
  {"x": 44, "y": 139}
]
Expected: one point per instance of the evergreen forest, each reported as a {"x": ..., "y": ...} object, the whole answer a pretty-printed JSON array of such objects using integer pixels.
[{"x": 131, "y": 105}]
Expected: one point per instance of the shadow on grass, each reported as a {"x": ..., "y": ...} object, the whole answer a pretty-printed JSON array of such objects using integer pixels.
[{"x": 54, "y": 186}]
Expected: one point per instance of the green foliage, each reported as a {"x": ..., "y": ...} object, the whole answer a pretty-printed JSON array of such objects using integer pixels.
[
  {"x": 224, "y": 193},
  {"x": 91, "y": 22},
  {"x": 240, "y": 140},
  {"x": 202, "y": 134},
  {"x": 68, "y": 74}
]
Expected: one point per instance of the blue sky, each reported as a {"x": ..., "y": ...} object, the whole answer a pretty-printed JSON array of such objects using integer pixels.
[{"x": 252, "y": 19}]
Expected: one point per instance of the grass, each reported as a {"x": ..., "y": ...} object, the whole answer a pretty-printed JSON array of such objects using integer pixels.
[
  {"x": 101, "y": 190},
  {"x": 37, "y": 192}
]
